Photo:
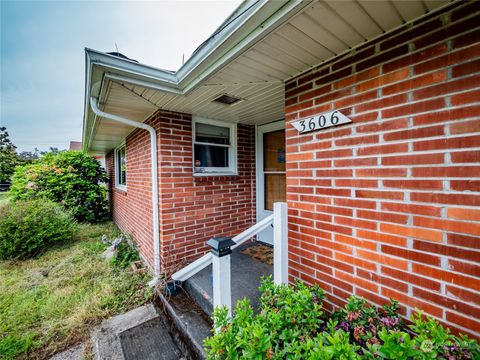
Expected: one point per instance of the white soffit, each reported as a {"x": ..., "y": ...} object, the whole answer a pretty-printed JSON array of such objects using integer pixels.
[
  {"x": 262, "y": 97},
  {"x": 122, "y": 102},
  {"x": 323, "y": 30},
  {"x": 318, "y": 33}
]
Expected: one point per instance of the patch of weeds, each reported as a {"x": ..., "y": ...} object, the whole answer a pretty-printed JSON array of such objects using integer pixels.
[
  {"x": 125, "y": 255},
  {"x": 95, "y": 231},
  {"x": 88, "y": 352},
  {"x": 53, "y": 301},
  {"x": 129, "y": 290},
  {"x": 12, "y": 345}
]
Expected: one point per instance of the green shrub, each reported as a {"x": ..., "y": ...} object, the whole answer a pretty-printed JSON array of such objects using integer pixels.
[
  {"x": 288, "y": 315},
  {"x": 125, "y": 255},
  {"x": 71, "y": 178},
  {"x": 28, "y": 227},
  {"x": 291, "y": 325}
]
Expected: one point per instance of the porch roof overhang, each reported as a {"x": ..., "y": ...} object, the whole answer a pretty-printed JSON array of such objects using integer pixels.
[{"x": 262, "y": 44}]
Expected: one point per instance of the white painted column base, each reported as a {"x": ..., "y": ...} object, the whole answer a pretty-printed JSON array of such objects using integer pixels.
[
  {"x": 280, "y": 243},
  {"x": 222, "y": 294}
]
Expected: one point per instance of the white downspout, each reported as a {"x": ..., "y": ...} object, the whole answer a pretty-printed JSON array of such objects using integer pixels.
[{"x": 153, "y": 150}]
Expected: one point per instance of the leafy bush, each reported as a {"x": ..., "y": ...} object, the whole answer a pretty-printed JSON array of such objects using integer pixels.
[
  {"x": 291, "y": 325},
  {"x": 28, "y": 227},
  {"x": 289, "y": 315},
  {"x": 363, "y": 321},
  {"x": 71, "y": 178}
]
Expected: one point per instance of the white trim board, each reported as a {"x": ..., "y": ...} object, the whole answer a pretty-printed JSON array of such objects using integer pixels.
[{"x": 259, "y": 191}]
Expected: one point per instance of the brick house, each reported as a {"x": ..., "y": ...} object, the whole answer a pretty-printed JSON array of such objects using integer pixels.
[{"x": 383, "y": 206}]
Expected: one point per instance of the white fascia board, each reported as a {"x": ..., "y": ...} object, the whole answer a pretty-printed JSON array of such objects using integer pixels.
[
  {"x": 143, "y": 83},
  {"x": 261, "y": 18},
  {"x": 230, "y": 31},
  {"x": 132, "y": 68},
  {"x": 255, "y": 28},
  {"x": 98, "y": 67}
]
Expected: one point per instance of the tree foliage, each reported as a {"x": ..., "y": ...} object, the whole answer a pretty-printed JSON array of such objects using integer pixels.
[
  {"x": 71, "y": 178},
  {"x": 8, "y": 156},
  {"x": 28, "y": 157}
]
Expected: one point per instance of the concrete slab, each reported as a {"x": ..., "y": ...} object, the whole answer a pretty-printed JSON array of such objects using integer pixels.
[
  {"x": 74, "y": 353},
  {"x": 124, "y": 336},
  {"x": 149, "y": 341},
  {"x": 246, "y": 274}
]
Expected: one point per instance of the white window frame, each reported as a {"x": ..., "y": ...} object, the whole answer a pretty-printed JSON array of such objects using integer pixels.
[
  {"x": 117, "y": 170},
  {"x": 232, "y": 149}
]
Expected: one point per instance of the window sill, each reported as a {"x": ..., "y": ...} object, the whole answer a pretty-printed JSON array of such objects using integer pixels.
[
  {"x": 121, "y": 188},
  {"x": 214, "y": 174}
]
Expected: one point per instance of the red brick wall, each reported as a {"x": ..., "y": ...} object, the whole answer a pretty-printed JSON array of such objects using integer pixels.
[
  {"x": 132, "y": 209},
  {"x": 192, "y": 209},
  {"x": 388, "y": 206}
]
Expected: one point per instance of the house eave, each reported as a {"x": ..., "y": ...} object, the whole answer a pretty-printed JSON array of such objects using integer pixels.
[
  {"x": 237, "y": 55},
  {"x": 257, "y": 19}
]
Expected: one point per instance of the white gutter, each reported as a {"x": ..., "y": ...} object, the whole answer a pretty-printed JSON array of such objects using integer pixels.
[{"x": 153, "y": 154}]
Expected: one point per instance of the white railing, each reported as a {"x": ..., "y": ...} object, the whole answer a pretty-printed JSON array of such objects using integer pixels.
[
  {"x": 221, "y": 264},
  {"x": 201, "y": 263},
  {"x": 193, "y": 268}
]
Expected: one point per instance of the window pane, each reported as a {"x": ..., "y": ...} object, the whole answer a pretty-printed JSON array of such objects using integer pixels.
[
  {"x": 212, "y": 134},
  {"x": 211, "y": 156},
  {"x": 121, "y": 167},
  {"x": 275, "y": 189},
  {"x": 274, "y": 151}
]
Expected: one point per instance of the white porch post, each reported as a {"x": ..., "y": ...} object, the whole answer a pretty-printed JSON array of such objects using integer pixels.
[
  {"x": 221, "y": 272},
  {"x": 280, "y": 243},
  {"x": 222, "y": 294}
]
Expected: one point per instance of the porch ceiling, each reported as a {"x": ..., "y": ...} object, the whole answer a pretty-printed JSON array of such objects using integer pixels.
[{"x": 316, "y": 32}]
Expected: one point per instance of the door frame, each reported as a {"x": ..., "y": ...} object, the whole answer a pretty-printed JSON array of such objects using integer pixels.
[{"x": 260, "y": 188}]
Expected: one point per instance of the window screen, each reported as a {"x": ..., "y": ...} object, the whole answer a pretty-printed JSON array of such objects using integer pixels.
[
  {"x": 121, "y": 167},
  {"x": 214, "y": 150}
]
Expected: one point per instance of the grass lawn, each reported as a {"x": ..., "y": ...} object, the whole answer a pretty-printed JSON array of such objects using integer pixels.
[
  {"x": 53, "y": 301},
  {"x": 4, "y": 196}
]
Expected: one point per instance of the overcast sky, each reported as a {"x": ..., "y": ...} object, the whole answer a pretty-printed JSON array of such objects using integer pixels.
[{"x": 43, "y": 62}]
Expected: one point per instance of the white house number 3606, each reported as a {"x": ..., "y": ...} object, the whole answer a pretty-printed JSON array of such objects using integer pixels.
[{"x": 322, "y": 121}]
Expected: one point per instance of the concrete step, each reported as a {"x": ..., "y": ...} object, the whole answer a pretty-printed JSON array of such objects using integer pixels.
[
  {"x": 246, "y": 274},
  {"x": 186, "y": 320},
  {"x": 139, "y": 334},
  {"x": 187, "y": 314}
]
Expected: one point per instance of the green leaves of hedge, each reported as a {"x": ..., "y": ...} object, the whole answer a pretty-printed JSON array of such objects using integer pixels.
[
  {"x": 71, "y": 178},
  {"x": 27, "y": 227},
  {"x": 292, "y": 325}
]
